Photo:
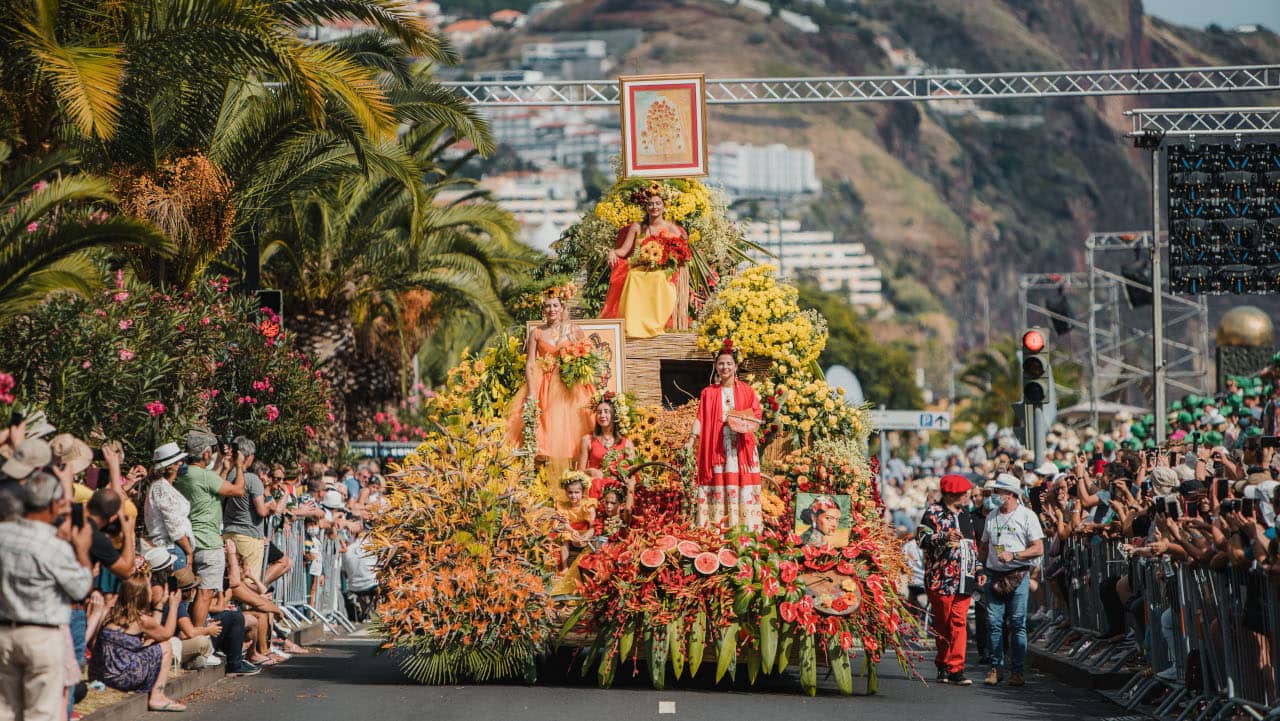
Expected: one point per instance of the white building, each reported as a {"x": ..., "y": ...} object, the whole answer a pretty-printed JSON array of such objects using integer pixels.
[
  {"x": 557, "y": 136},
  {"x": 544, "y": 203},
  {"x": 747, "y": 170},
  {"x": 835, "y": 266},
  {"x": 566, "y": 59}
]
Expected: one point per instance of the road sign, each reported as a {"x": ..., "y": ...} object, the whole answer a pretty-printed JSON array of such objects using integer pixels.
[{"x": 911, "y": 420}]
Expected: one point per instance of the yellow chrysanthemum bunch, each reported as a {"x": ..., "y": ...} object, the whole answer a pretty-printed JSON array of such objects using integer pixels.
[
  {"x": 684, "y": 200},
  {"x": 619, "y": 212},
  {"x": 807, "y": 409},
  {"x": 764, "y": 319}
]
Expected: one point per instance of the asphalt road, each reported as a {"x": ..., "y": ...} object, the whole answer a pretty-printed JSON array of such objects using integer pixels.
[{"x": 344, "y": 681}]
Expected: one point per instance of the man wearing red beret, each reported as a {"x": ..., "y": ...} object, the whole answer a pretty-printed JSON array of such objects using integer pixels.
[{"x": 948, "y": 536}]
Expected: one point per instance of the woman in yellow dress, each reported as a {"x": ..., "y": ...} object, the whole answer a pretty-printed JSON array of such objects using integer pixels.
[
  {"x": 564, "y": 413},
  {"x": 647, "y": 301}
]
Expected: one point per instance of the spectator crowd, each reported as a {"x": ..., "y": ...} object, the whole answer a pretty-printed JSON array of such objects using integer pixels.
[
  {"x": 1206, "y": 499},
  {"x": 121, "y": 571}
]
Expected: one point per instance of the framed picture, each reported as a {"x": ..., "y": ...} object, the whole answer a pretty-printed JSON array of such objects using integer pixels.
[
  {"x": 823, "y": 519},
  {"x": 664, "y": 125},
  {"x": 607, "y": 336}
]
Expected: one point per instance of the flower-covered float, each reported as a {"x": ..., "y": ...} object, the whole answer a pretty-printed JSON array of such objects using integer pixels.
[{"x": 469, "y": 551}]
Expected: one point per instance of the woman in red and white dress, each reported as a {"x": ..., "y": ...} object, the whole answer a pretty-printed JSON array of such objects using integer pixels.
[{"x": 728, "y": 461}]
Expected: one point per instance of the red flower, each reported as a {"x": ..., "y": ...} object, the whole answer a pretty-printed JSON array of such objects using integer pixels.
[
  {"x": 770, "y": 587},
  {"x": 788, "y": 570},
  {"x": 788, "y": 611},
  {"x": 846, "y": 640},
  {"x": 839, "y": 605},
  {"x": 845, "y": 568}
]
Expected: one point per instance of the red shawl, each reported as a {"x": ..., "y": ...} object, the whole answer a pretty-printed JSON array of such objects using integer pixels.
[{"x": 711, "y": 418}]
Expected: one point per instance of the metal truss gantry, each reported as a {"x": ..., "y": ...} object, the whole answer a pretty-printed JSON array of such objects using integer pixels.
[
  {"x": 1119, "y": 345},
  {"x": 1117, "y": 360},
  {"x": 1216, "y": 122},
  {"x": 965, "y": 86}
]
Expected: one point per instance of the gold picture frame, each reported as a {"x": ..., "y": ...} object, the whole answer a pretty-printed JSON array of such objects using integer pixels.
[{"x": 664, "y": 125}]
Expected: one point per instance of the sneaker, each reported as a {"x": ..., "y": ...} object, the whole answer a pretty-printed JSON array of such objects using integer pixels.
[
  {"x": 943, "y": 676},
  {"x": 1015, "y": 679},
  {"x": 280, "y": 654},
  {"x": 1169, "y": 674},
  {"x": 209, "y": 661},
  {"x": 957, "y": 678},
  {"x": 993, "y": 677},
  {"x": 244, "y": 669}
]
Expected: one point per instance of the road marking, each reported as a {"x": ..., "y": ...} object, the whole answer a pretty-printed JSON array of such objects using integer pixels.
[{"x": 666, "y": 707}]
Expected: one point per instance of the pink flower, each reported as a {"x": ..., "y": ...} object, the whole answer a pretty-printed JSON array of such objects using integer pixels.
[
  {"x": 126, "y": 324},
  {"x": 247, "y": 399},
  {"x": 205, "y": 320},
  {"x": 120, "y": 278},
  {"x": 155, "y": 408},
  {"x": 311, "y": 432},
  {"x": 272, "y": 412},
  {"x": 121, "y": 297},
  {"x": 126, "y": 354},
  {"x": 40, "y": 186},
  {"x": 329, "y": 416},
  {"x": 86, "y": 365},
  {"x": 33, "y": 227}
]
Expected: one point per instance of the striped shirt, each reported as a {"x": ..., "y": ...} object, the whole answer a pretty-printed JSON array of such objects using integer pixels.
[{"x": 39, "y": 574}]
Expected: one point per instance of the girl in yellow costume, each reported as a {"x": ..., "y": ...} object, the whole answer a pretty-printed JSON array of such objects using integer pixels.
[
  {"x": 564, "y": 413},
  {"x": 576, "y": 518}
]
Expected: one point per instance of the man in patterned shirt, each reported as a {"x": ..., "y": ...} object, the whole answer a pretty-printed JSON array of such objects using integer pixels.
[{"x": 949, "y": 537}]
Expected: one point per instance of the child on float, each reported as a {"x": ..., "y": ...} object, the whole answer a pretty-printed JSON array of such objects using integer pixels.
[
  {"x": 576, "y": 515},
  {"x": 615, "y": 510}
]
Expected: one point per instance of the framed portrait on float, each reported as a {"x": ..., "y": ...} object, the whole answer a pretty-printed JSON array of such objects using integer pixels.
[
  {"x": 823, "y": 519},
  {"x": 664, "y": 125},
  {"x": 607, "y": 337}
]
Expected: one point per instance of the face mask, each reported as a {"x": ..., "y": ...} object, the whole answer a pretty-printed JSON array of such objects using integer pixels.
[{"x": 991, "y": 503}]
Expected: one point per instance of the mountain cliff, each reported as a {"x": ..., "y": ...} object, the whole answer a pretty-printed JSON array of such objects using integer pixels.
[{"x": 955, "y": 199}]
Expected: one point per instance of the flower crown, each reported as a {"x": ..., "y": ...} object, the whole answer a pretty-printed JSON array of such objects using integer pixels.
[
  {"x": 571, "y": 477},
  {"x": 612, "y": 485},
  {"x": 564, "y": 293},
  {"x": 728, "y": 348},
  {"x": 604, "y": 396}
]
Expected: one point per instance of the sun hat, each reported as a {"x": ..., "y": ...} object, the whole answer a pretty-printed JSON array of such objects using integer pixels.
[
  {"x": 1007, "y": 483},
  {"x": 71, "y": 451},
  {"x": 32, "y": 454},
  {"x": 1164, "y": 480},
  {"x": 159, "y": 559},
  {"x": 187, "y": 578},
  {"x": 333, "y": 501},
  {"x": 1046, "y": 469},
  {"x": 167, "y": 455},
  {"x": 199, "y": 441}
]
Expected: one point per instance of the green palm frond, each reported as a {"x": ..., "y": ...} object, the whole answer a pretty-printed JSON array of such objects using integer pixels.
[{"x": 86, "y": 81}]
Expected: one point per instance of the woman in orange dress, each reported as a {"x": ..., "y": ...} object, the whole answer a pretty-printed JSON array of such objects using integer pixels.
[
  {"x": 603, "y": 439},
  {"x": 629, "y": 238},
  {"x": 564, "y": 413}
]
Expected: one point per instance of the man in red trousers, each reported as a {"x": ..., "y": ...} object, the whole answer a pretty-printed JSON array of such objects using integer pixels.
[{"x": 948, "y": 536}]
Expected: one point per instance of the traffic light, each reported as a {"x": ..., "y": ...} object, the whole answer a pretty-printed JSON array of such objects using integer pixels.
[{"x": 1036, "y": 374}]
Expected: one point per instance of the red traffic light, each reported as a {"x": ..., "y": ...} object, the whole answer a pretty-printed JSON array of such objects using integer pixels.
[{"x": 1033, "y": 340}]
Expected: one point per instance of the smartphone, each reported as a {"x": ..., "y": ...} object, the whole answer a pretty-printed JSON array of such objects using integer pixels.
[
  {"x": 1173, "y": 508},
  {"x": 15, "y": 417},
  {"x": 1248, "y": 507},
  {"x": 172, "y": 583},
  {"x": 1269, "y": 442},
  {"x": 1193, "y": 510},
  {"x": 1223, "y": 491},
  {"x": 77, "y": 515},
  {"x": 97, "y": 456},
  {"x": 1028, "y": 466},
  {"x": 1146, "y": 486},
  {"x": 1173, "y": 458}
]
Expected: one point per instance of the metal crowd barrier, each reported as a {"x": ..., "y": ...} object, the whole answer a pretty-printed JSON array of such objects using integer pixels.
[
  {"x": 1209, "y": 638},
  {"x": 294, "y": 588}
]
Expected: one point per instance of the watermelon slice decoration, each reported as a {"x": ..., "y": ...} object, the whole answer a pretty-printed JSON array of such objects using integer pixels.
[
  {"x": 667, "y": 542},
  {"x": 706, "y": 563},
  {"x": 728, "y": 558},
  {"x": 652, "y": 557},
  {"x": 689, "y": 549}
]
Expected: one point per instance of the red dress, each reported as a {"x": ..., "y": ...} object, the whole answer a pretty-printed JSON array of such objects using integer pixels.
[
  {"x": 595, "y": 460},
  {"x": 679, "y": 320},
  {"x": 728, "y": 464}
]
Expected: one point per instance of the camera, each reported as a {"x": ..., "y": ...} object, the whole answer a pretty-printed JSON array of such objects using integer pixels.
[
  {"x": 1231, "y": 505},
  {"x": 1269, "y": 442}
]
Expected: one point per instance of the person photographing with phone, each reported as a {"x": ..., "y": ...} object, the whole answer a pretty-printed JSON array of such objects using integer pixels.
[
  {"x": 204, "y": 489},
  {"x": 1011, "y": 543}
]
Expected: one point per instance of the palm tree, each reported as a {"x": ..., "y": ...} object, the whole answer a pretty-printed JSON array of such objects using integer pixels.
[
  {"x": 993, "y": 378},
  {"x": 54, "y": 222}
]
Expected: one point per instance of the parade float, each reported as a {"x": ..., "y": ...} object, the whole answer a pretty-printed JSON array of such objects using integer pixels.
[{"x": 472, "y": 586}]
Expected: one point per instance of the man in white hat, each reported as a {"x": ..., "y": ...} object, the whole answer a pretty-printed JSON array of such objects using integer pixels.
[{"x": 1012, "y": 542}]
